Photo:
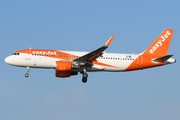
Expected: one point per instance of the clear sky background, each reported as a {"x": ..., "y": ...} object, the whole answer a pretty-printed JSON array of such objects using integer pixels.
[{"x": 79, "y": 25}]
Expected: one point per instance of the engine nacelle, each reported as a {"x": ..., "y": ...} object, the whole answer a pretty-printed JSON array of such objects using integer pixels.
[
  {"x": 63, "y": 69},
  {"x": 63, "y": 66}
]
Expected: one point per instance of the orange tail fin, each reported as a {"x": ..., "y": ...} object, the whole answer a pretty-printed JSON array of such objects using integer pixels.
[{"x": 160, "y": 46}]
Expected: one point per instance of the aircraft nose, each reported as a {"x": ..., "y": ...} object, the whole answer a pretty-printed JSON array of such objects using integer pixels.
[{"x": 7, "y": 60}]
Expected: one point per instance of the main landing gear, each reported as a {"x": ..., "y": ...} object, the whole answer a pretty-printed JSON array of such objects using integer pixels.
[
  {"x": 84, "y": 75},
  {"x": 27, "y": 74}
]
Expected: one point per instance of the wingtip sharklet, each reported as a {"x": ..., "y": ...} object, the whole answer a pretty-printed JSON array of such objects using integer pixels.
[{"x": 109, "y": 41}]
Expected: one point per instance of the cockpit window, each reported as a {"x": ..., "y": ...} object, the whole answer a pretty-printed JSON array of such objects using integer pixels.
[{"x": 15, "y": 53}]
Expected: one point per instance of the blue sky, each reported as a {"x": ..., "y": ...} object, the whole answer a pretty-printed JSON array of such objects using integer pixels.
[{"x": 84, "y": 26}]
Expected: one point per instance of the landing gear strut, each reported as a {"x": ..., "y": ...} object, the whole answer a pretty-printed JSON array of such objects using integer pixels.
[
  {"x": 27, "y": 74},
  {"x": 85, "y": 75}
]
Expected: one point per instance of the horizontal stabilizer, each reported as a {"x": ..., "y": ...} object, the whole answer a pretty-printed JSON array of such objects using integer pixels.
[{"x": 162, "y": 59}]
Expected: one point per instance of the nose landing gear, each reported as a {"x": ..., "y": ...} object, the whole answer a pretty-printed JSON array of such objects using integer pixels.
[{"x": 27, "y": 74}]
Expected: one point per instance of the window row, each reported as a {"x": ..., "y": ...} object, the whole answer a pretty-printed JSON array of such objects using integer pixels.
[
  {"x": 67, "y": 56},
  {"x": 116, "y": 58},
  {"x": 73, "y": 57}
]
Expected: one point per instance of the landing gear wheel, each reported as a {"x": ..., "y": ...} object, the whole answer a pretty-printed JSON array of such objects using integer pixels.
[
  {"x": 26, "y": 75},
  {"x": 84, "y": 80}
]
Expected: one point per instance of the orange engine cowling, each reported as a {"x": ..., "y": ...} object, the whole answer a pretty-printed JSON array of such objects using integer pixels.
[
  {"x": 63, "y": 69},
  {"x": 63, "y": 66}
]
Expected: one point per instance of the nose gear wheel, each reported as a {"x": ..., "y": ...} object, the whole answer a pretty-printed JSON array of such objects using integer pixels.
[{"x": 27, "y": 74}]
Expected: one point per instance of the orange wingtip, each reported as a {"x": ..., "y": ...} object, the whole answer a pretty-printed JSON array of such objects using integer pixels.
[{"x": 109, "y": 41}]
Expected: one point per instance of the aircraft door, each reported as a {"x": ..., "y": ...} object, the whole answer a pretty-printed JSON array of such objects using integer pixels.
[
  {"x": 27, "y": 55},
  {"x": 140, "y": 60}
]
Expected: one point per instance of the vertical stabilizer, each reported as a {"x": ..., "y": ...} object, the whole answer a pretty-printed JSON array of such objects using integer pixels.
[{"x": 160, "y": 46}]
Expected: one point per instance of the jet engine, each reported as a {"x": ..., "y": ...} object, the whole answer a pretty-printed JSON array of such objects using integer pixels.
[{"x": 63, "y": 69}]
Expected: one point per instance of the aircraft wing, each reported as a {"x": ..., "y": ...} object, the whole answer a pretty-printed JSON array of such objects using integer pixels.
[{"x": 92, "y": 56}]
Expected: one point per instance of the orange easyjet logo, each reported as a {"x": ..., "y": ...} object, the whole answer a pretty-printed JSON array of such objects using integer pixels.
[{"x": 160, "y": 42}]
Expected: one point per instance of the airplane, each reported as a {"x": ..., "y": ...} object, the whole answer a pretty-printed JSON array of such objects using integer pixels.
[{"x": 69, "y": 63}]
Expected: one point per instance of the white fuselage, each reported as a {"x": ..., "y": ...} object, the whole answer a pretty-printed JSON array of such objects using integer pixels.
[{"x": 119, "y": 61}]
